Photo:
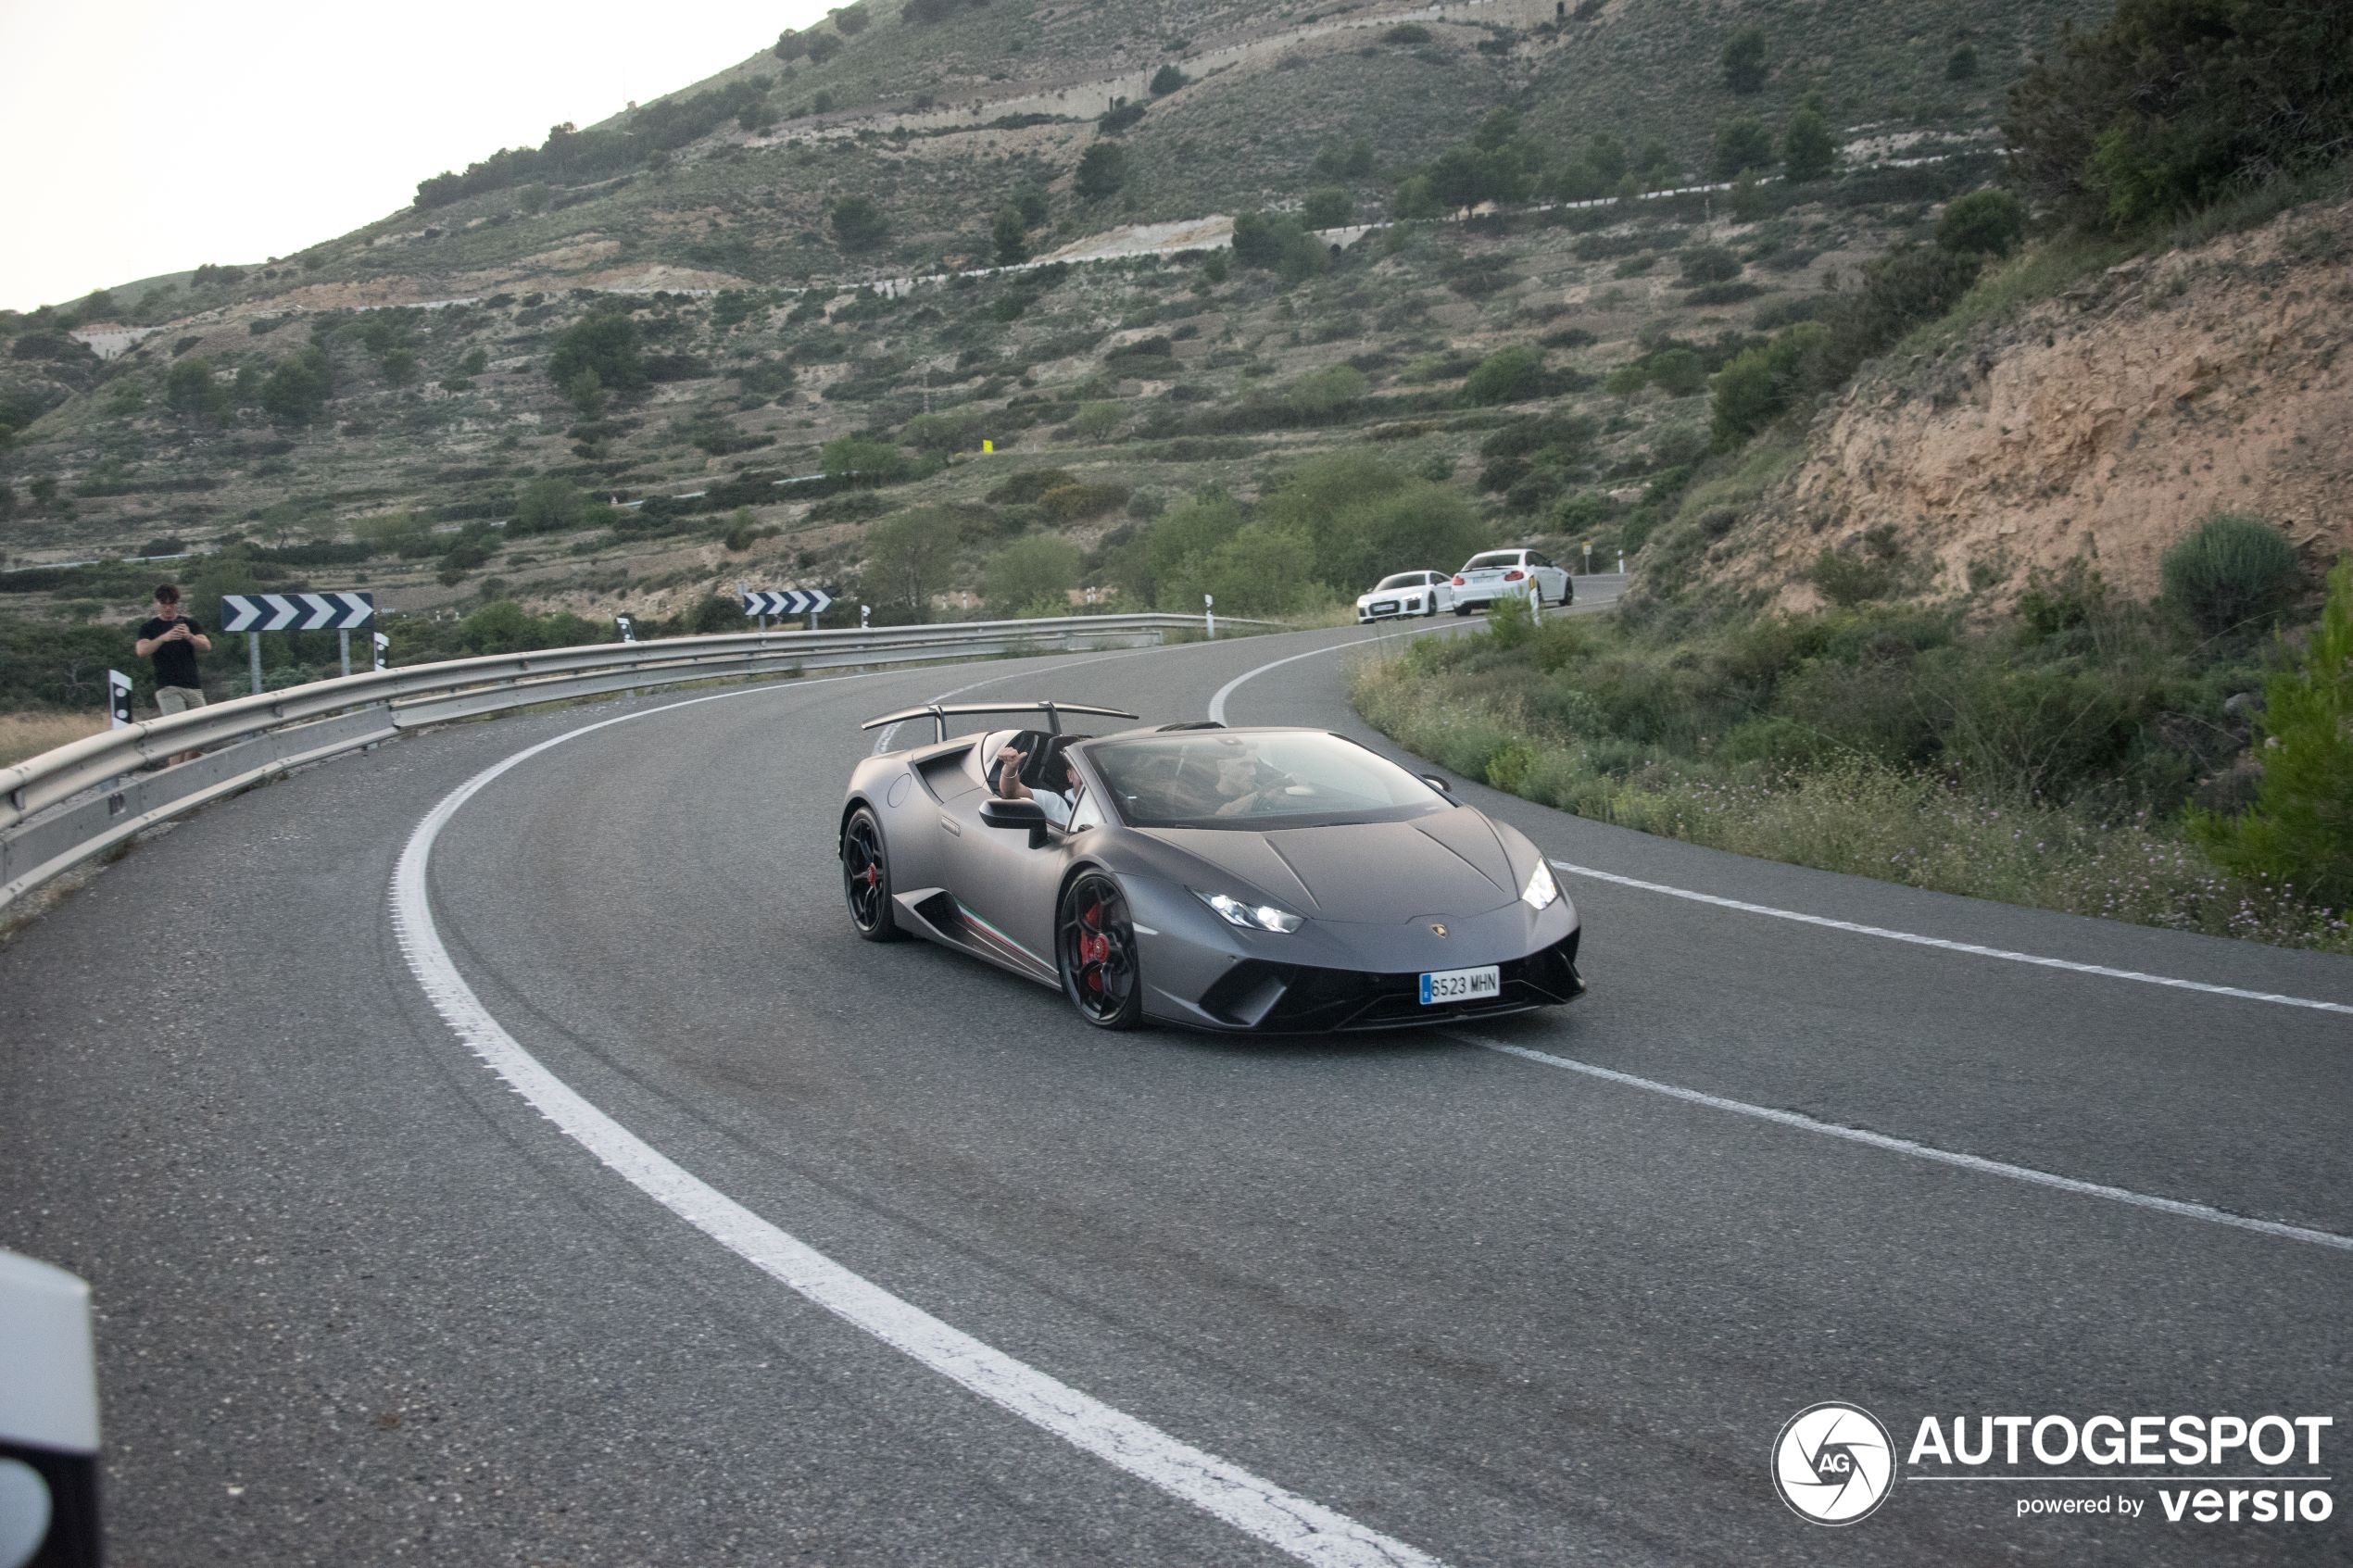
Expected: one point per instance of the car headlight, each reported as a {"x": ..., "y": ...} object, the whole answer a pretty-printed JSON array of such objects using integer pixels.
[
  {"x": 1542, "y": 891},
  {"x": 1249, "y": 917}
]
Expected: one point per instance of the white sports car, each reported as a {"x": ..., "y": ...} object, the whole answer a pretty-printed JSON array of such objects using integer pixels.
[
  {"x": 1406, "y": 592},
  {"x": 1510, "y": 574}
]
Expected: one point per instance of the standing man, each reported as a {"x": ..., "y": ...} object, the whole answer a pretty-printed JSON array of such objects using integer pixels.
[{"x": 172, "y": 641}]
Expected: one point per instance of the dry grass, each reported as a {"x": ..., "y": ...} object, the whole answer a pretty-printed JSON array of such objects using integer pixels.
[{"x": 30, "y": 734}]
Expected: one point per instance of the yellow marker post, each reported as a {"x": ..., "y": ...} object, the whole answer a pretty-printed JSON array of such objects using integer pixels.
[{"x": 988, "y": 446}]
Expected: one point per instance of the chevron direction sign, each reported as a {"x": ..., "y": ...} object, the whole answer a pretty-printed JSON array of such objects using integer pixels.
[
  {"x": 785, "y": 601},
  {"x": 295, "y": 612}
]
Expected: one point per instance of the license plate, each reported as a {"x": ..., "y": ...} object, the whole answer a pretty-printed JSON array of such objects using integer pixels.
[
  {"x": 1444, "y": 985},
  {"x": 1385, "y": 606}
]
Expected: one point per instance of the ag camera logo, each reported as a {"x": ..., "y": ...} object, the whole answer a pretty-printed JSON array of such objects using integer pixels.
[{"x": 1834, "y": 1464}]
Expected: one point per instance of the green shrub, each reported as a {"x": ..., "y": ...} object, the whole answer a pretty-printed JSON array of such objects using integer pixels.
[
  {"x": 1508, "y": 375},
  {"x": 2299, "y": 833},
  {"x": 1510, "y": 622},
  {"x": 2233, "y": 572},
  {"x": 548, "y": 504},
  {"x": 1987, "y": 222}
]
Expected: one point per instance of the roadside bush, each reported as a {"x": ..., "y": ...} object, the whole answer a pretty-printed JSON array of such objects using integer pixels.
[
  {"x": 2299, "y": 833},
  {"x": 2233, "y": 572}
]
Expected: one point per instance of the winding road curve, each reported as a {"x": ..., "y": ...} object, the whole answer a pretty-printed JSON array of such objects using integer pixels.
[{"x": 373, "y": 1291}]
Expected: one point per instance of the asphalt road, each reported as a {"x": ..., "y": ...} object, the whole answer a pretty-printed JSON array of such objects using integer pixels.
[{"x": 364, "y": 1302}]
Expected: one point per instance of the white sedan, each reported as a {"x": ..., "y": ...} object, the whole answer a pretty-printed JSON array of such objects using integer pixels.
[
  {"x": 1509, "y": 574},
  {"x": 1406, "y": 592}
]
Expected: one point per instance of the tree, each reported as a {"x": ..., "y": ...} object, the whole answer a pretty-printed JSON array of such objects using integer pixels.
[
  {"x": 1035, "y": 573},
  {"x": 852, "y": 20},
  {"x": 1416, "y": 198},
  {"x": 1759, "y": 383},
  {"x": 860, "y": 460},
  {"x": 858, "y": 224},
  {"x": 1989, "y": 222},
  {"x": 2299, "y": 833},
  {"x": 791, "y": 45},
  {"x": 2173, "y": 102},
  {"x": 1508, "y": 375},
  {"x": 548, "y": 505},
  {"x": 909, "y": 557},
  {"x": 1166, "y": 79},
  {"x": 1009, "y": 237},
  {"x": 1741, "y": 143},
  {"x": 1961, "y": 64},
  {"x": 1102, "y": 170},
  {"x": 824, "y": 46},
  {"x": 1030, "y": 201},
  {"x": 1808, "y": 150},
  {"x": 1744, "y": 64},
  {"x": 606, "y": 342},
  {"x": 189, "y": 388},
  {"x": 297, "y": 389},
  {"x": 1330, "y": 207}
]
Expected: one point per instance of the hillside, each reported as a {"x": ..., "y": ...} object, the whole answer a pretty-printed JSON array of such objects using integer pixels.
[
  {"x": 2101, "y": 425},
  {"x": 379, "y": 407}
]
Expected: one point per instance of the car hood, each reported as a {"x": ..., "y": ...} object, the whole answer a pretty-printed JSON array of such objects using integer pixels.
[{"x": 1451, "y": 862}]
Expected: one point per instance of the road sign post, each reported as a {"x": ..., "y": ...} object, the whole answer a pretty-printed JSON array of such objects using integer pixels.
[
  {"x": 343, "y": 644},
  {"x": 628, "y": 631},
  {"x": 118, "y": 698},
  {"x": 384, "y": 646},
  {"x": 1209, "y": 616}
]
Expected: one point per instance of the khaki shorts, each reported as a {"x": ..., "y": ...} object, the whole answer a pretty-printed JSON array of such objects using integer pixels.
[{"x": 178, "y": 700}]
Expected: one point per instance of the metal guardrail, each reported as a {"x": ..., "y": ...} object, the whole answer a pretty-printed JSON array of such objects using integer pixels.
[{"x": 82, "y": 798}]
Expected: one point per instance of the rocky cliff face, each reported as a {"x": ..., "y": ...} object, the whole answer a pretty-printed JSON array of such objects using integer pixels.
[{"x": 2101, "y": 425}]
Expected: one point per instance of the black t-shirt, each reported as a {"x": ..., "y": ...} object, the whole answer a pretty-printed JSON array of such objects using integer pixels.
[{"x": 175, "y": 662}]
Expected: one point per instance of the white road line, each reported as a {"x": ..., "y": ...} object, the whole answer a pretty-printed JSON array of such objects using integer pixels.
[
  {"x": 1217, "y": 703},
  {"x": 1969, "y": 947},
  {"x": 1920, "y": 1151},
  {"x": 1258, "y": 1508}
]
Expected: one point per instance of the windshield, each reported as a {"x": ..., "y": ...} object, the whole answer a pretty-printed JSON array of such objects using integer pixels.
[
  {"x": 1403, "y": 580},
  {"x": 1492, "y": 560},
  {"x": 1288, "y": 778}
]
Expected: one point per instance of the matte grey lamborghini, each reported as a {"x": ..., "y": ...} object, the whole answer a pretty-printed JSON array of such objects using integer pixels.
[{"x": 1277, "y": 880}]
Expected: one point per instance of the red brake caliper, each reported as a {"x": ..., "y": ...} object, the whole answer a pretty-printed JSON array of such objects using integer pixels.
[
  {"x": 1093, "y": 947},
  {"x": 874, "y": 874}
]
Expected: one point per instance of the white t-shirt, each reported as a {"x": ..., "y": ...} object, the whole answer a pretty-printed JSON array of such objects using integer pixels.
[{"x": 1055, "y": 804}]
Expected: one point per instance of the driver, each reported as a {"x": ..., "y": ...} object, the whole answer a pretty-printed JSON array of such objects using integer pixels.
[
  {"x": 1057, "y": 803},
  {"x": 1240, "y": 787}
]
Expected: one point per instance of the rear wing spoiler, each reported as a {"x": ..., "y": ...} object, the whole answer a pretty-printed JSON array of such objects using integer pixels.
[{"x": 939, "y": 714}]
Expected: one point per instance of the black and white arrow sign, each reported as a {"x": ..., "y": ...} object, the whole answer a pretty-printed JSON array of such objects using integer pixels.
[
  {"x": 338, "y": 611},
  {"x": 786, "y": 601}
]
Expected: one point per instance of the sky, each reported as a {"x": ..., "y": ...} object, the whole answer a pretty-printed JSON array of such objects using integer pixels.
[{"x": 140, "y": 137}]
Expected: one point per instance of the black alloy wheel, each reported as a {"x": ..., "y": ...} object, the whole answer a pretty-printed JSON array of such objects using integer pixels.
[
  {"x": 1096, "y": 942},
  {"x": 1568, "y": 592},
  {"x": 865, "y": 878}
]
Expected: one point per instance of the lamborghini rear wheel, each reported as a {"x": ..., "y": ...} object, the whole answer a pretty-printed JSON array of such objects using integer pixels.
[
  {"x": 1095, "y": 940},
  {"x": 865, "y": 877}
]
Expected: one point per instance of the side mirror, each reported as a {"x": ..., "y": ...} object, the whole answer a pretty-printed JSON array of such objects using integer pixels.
[
  {"x": 1012, "y": 814},
  {"x": 1437, "y": 784}
]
